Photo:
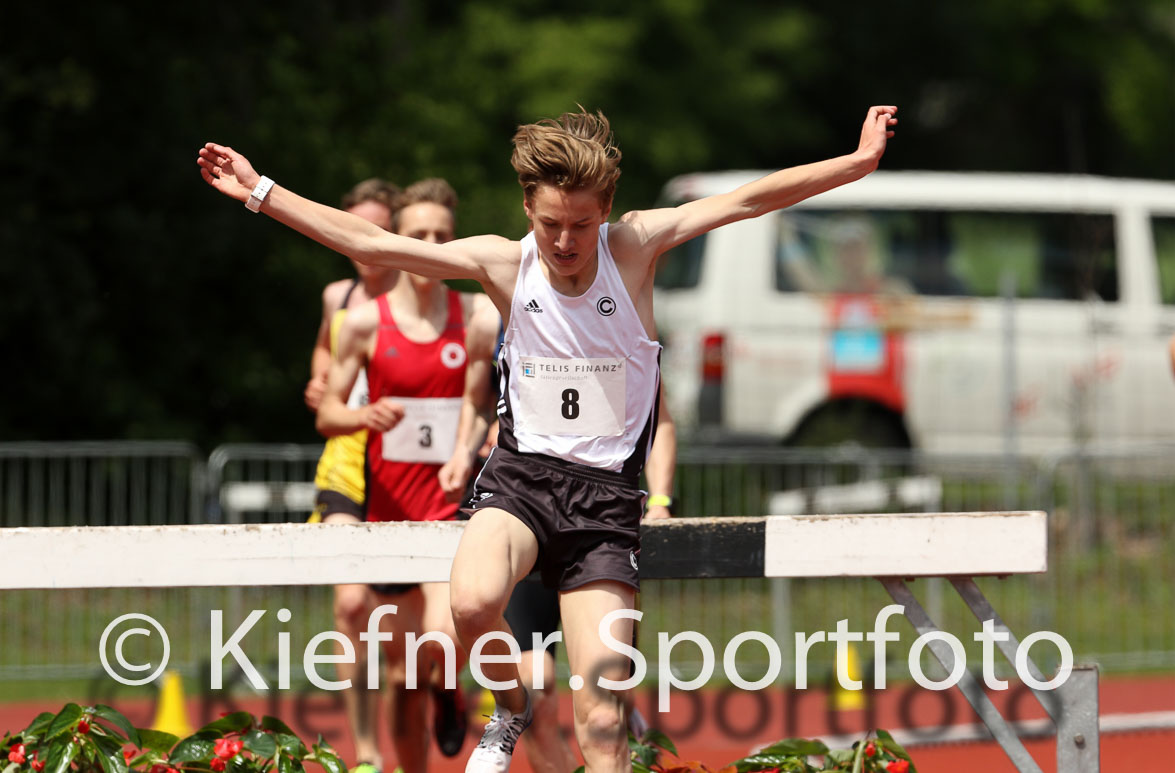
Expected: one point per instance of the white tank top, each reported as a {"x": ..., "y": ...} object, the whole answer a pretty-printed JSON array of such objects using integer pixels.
[{"x": 579, "y": 377}]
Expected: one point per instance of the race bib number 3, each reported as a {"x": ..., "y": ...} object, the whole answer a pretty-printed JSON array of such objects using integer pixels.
[
  {"x": 427, "y": 433},
  {"x": 572, "y": 397}
]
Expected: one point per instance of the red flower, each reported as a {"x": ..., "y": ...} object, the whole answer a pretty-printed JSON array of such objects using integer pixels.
[
  {"x": 217, "y": 764},
  {"x": 898, "y": 766},
  {"x": 227, "y": 748},
  {"x": 870, "y": 750},
  {"x": 128, "y": 754},
  {"x": 160, "y": 768},
  {"x": 38, "y": 765},
  {"x": 83, "y": 725},
  {"x": 16, "y": 753}
]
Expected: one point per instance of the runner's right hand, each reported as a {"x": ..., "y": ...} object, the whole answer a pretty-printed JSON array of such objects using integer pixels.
[
  {"x": 382, "y": 415},
  {"x": 454, "y": 476},
  {"x": 315, "y": 389}
]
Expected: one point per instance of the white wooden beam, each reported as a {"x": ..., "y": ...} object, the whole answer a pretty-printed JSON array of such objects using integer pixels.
[{"x": 905, "y": 545}]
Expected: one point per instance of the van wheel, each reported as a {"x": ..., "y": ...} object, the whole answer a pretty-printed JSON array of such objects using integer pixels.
[{"x": 851, "y": 424}]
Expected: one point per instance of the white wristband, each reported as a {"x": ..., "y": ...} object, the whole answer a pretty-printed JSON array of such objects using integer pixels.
[{"x": 258, "y": 195}]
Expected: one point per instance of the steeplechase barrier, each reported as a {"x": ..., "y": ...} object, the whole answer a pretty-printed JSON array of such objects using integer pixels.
[{"x": 957, "y": 546}]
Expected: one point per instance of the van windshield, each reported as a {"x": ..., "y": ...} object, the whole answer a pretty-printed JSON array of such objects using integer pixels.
[{"x": 1062, "y": 256}]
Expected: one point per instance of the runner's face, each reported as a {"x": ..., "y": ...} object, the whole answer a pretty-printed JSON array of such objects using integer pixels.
[
  {"x": 566, "y": 227},
  {"x": 380, "y": 215},
  {"x": 429, "y": 222}
]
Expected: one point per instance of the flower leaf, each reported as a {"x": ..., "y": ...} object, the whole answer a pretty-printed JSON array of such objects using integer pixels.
[
  {"x": 117, "y": 719},
  {"x": 36, "y": 728},
  {"x": 61, "y": 754},
  {"x": 260, "y": 743},
  {"x": 764, "y": 761},
  {"x": 796, "y": 747},
  {"x": 230, "y": 723},
  {"x": 887, "y": 742},
  {"x": 194, "y": 748},
  {"x": 639, "y": 752},
  {"x": 64, "y": 721},
  {"x": 156, "y": 740},
  {"x": 657, "y": 738},
  {"x": 325, "y": 756},
  {"x": 287, "y": 764},
  {"x": 291, "y": 744},
  {"x": 110, "y": 755},
  {"x": 858, "y": 756},
  {"x": 276, "y": 725}
]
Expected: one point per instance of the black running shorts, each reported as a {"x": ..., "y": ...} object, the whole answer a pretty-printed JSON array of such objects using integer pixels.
[
  {"x": 330, "y": 502},
  {"x": 587, "y": 521}
]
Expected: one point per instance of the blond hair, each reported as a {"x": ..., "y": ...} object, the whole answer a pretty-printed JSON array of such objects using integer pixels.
[
  {"x": 373, "y": 189},
  {"x": 574, "y": 151},
  {"x": 433, "y": 190}
]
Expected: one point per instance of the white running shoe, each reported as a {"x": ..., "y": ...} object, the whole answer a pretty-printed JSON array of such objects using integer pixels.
[{"x": 496, "y": 747}]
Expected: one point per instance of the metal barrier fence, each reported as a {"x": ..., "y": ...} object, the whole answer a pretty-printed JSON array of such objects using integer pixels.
[
  {"x": 1110, "y": 588},
  {"x": 45, "y": 633},
  {"x": 100, "y": 483}
]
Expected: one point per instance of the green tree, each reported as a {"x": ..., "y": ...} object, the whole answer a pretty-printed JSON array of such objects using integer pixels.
[{"x": 140, "y": 305}]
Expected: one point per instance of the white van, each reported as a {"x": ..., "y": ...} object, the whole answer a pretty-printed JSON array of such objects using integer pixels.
[{"x": 947, "y": 312}]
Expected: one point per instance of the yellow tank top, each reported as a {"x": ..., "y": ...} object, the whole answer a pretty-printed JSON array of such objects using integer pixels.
[{"x": 340, "y": 468}]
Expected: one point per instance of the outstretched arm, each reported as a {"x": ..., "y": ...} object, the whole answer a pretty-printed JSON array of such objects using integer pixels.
[
  {"x": 231, "y": 173},
  {"x": 651, "y": 232}
]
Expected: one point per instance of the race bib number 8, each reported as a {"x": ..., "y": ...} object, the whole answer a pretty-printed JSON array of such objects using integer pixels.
[
  {"x": 427, "y": 433},
  {"x": 572, "y": 397}
]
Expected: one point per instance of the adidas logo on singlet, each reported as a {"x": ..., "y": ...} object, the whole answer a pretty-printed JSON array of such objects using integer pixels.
[{"x": 533, "y": 305}]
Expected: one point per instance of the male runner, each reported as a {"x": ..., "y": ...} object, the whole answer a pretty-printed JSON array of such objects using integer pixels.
[
  {"x": 581, "y": 381},
  {"x": 411, "y": 343}
]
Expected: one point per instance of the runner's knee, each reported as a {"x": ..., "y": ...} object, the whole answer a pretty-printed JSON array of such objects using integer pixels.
[
  {"x": 351, "y": 604},
  {"x": 604, "y": 722},
  {"x": 476, "y": 611}
]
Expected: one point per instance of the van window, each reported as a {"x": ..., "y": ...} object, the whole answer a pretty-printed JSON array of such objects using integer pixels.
[
  {"x": 942, "y": 252},
  {"x": 681, "y": 267},
  {"x": 1164, "y": 231}
]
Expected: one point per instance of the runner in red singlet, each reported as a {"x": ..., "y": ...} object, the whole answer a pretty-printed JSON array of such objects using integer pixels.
[{"x": 411, "y": 343}]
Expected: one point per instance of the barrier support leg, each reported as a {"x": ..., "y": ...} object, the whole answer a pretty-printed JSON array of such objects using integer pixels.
[
  {"x": 968, "y": 684},
  {"x": 1073, "y": 706},
  {"x": 1078, "y": 745}
]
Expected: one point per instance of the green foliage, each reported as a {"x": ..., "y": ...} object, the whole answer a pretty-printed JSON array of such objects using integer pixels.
[
  {"x": 793, "y": 755},
  {"x": 144, "y": 306},
  {"x": 99, "y": 739}
]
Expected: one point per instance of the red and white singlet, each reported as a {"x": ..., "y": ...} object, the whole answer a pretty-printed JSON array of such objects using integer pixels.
[{"x": 428, "y": 379}]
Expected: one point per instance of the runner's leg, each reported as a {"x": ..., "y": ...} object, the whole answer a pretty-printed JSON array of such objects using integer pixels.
[{"x": 599, "y": 713}]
